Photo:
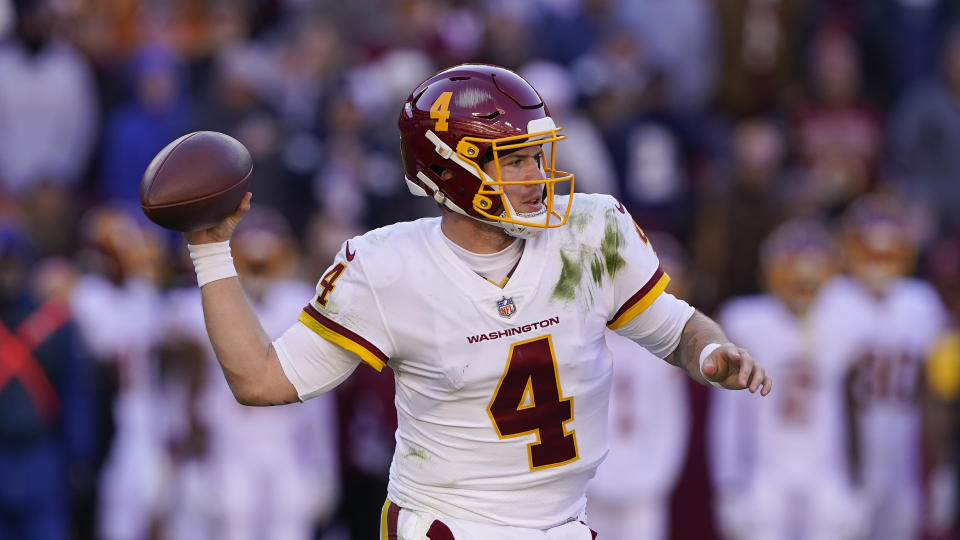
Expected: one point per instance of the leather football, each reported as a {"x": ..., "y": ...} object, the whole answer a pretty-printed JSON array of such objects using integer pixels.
[{"x": 196, "y": 181}]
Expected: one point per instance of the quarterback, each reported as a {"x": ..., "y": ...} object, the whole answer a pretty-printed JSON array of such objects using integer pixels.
[{"x": 491, "y": 317}]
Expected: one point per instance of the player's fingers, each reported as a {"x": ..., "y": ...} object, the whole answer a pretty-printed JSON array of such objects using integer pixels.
[
  {"x": 767, "y": 386},
  {"x": 243, "y": 207},
  {"x": 756, "y": 378},
  {"x": 746, "y": 367}
]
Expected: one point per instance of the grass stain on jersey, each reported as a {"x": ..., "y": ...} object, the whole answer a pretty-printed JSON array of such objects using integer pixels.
[
  {"x": 571, "y": 271},
  {"x": 416, "y": 452},
  {"x": 579, "y": 221},
  {"x": 596, "y": 270},
  {"x": 611, "y": 244}
]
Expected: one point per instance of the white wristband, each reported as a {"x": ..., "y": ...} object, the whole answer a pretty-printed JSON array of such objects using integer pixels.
[
  {"x": 212, "y": 261},
  {"x": 703, "y": 358}
]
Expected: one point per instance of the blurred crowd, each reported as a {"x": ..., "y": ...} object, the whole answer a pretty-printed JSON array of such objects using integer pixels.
[{"x": 795, "y": 162}]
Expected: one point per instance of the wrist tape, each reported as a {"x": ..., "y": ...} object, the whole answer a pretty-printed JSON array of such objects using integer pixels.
[
  {"x": 212, "y": 261},
  {"x": 703, "y": 358}
]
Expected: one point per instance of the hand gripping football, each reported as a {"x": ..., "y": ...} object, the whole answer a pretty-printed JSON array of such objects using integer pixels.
[{"x": 196, "y": 181}]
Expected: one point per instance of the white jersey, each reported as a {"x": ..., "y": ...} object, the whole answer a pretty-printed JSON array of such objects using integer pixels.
[
  {"x": 800, "y": 430},
  {"x": 501, "y": 393},
  {"x": 898, "y": 332},
  {"x": 788, "y": 452}
]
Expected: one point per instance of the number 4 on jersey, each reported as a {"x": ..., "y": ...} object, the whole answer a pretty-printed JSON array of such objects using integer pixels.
[{"x": 528, "y": 400}]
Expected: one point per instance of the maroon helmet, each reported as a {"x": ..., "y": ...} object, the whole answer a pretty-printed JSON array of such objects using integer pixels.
[{"x": 470, "y": 115}]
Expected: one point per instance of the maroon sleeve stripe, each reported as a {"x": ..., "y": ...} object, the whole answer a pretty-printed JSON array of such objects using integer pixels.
[
  {"x": 352, "y": 336},
  {"x": 654, "y": 279}
]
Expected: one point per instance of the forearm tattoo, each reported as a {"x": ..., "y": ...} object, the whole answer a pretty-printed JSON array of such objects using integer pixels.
[{"x": 699, "y": 332}]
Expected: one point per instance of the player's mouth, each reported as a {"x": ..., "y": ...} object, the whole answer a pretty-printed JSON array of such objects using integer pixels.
[{"x": 533, "y": 205}]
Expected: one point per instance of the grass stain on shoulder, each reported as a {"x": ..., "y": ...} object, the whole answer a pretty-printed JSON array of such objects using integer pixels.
[
  {"x": 611, "y": 244},
  {"x": 571, "y": 272},
  {"x": 579, "y": 221}
]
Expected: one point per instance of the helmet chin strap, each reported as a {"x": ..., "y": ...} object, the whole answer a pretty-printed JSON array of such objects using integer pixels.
[{"x": 523, "y": 231}]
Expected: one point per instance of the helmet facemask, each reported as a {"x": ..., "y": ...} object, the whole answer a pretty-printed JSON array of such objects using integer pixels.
[{"x": 492, "y": 201}]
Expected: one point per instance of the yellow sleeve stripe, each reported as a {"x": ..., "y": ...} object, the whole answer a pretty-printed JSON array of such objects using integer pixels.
[
  {"x": 339, "y": 335},
  {"x": 640, "y": 301}
]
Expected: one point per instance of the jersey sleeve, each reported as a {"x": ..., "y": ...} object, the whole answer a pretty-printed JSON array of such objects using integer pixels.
[
  {"x": 345, "y": 310},
  {"x": 638, "y": 279},
  {"x": 312, "y": 364}
]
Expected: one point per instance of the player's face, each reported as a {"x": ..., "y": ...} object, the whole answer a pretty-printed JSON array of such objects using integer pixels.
[
  {"x": 796, "y": 278},
  {"x": 878, "y": 256},
  {"x": 524, "y": 164}
]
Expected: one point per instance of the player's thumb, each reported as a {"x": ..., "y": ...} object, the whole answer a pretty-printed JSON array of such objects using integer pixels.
[{"x": 714, "y": 368}]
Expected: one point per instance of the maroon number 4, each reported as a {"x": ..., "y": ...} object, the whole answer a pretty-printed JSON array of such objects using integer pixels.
[{"x": 528, "y": 400}]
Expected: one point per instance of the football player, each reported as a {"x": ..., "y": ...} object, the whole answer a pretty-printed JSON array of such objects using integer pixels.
[
  {"x": 899, "y": 319},
  {"x": 784, "y": 474},
  {"x": 115, "y": 305},
  {"x": 492, "y": 318}
]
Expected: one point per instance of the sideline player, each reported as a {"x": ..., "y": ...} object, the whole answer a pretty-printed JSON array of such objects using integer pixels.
[
  {"x": 899, "y": 319},
  {"x": 784, "y": 474},
  {"x": 492, "y": 318}
]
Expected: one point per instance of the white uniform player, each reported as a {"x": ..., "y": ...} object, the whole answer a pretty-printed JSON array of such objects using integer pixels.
[
  {"x": 502, "y": 376},
  {"x": 900, "y": 331},
  {"x": 787, "y": 470},
  {"x": 116, "y": 314},
  {"x": 781, "y": 467},
  {"x": 524, "y": 369},
  {"x": 900, "y": 319}
]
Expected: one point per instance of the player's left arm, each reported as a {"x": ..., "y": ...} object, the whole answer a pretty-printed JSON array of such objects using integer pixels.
[{"x": 727, "y": 365}]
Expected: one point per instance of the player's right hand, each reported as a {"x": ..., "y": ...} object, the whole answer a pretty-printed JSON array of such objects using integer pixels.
[
  {"x": 221, "y": 232},
  {"x": 734, "y": 369}
]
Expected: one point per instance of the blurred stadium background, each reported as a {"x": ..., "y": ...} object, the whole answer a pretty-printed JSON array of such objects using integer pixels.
[{"x": 714, "y": 121}]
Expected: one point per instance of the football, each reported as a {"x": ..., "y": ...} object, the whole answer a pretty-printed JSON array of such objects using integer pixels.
[{"x": 196, "y": 181}]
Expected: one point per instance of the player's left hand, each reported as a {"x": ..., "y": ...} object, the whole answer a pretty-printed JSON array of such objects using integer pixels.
[{"x": 733, "y": 368}]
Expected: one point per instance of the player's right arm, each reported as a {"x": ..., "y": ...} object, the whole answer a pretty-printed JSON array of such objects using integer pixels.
[
  {"x": 314, "y": 355},
  {"x": 245, "y": 352}
]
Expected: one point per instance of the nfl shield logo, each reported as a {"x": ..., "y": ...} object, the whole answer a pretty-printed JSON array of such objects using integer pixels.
[{"x": 506, "y": 307}]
